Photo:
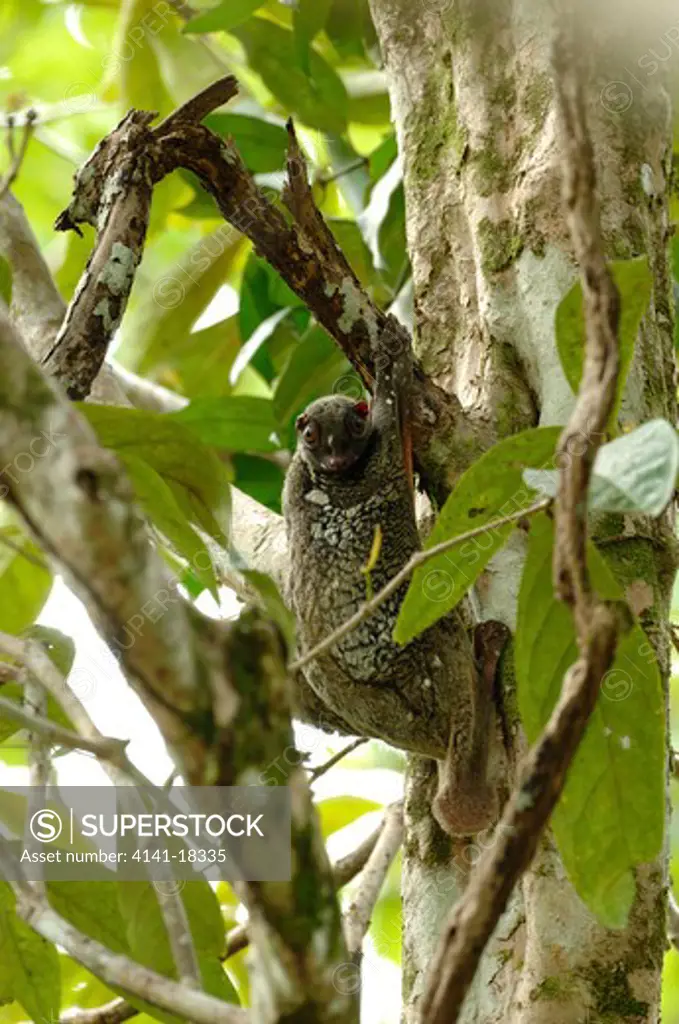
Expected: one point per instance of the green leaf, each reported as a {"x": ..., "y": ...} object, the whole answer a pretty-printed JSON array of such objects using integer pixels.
[
  {"x": 382, "y": 158},
  {"x": 611, "y": 814},
  {"x": 491, "y": 488},
  {"x": 160, "y": 505},
  {"x": 160, "y": 326},
  {"x": 149, "y": 944},
  {"x": 57, "y": 645},
  {"x": 273, "y": 603},
  {"x": 29, "y": 965},
  {"x": 61, "y": 651},
  {"x": 263, "y": 293},
  {"x": 25, "y": 582},
  {"x": 238, "y": 424},
  {"x": 350, "y": 28},
  {"x": 634, "y": 281},
  {"x": 224, "y": 16},
  {"x": 318, "y": 98},
  {"x": 5, "y": 281},
  {"x": 199, "y": 365},
  {"x": 92, "y": 908},
  {"x": 298, "y": 385},
  {"x": 309, "y": 18},
  {"x": 260, "y": 478},
  {"x": 350, "y": 240},
  {"x": 194, "y": 473},
  {"x": 633, "y": 473},
  {"x": 139, "y": 74},
  {"x": 337, "y": 812},
  {"x": 262, "y": 145}
]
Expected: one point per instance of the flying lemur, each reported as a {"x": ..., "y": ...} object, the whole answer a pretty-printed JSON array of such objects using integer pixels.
[{"x": 347, "y": 480}]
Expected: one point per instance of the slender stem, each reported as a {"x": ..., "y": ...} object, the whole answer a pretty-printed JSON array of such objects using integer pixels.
[
  {"x": 56, "y": 735},
  {"x": 316, "y": 773},
  {"x": 357, "y": 918},
  {"x": 355, "y": 165},
  {"x": 17, "y": 157}
]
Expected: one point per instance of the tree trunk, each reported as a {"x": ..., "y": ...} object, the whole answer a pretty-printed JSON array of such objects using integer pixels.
[{"x": 474, "y": 108}]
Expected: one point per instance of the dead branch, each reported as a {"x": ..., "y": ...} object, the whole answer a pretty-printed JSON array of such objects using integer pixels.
[
  {"x": 534, "y": 798},
  {"x": 360, "y": 910},
  {"x": 16, "y": 156},
  {"x": 130, "y": 161}
]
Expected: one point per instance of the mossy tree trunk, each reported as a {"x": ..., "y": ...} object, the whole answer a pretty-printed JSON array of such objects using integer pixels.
[{"x": 473, "y": 103}]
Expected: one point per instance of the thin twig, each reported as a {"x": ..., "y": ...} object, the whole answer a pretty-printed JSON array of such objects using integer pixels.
[
  {"x": 355, "y": 165},
  {"x": 13, "y": 546},
  {"x": 39, "y": 766},
  {"x": 57, "y": 736},
  {"x": 115, "y": 1012},
  {"x": 491, "y": 883},
  {"x": 357, "y": 917},
  {"x": 17, "y": 157},
  {"x": 418, "y": 559},
  {"x": 316, "y": 773}
]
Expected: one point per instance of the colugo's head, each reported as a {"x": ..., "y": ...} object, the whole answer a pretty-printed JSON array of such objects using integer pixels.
[{"x": 333, "y": 433}]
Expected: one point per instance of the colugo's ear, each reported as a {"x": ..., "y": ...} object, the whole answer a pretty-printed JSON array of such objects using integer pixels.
[
  {"x": 363, "y": 409},
  {"x": 301, "y": 421}
]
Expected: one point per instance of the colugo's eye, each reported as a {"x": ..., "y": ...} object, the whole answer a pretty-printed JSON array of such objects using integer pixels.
[{"x": 311, "y": 434}]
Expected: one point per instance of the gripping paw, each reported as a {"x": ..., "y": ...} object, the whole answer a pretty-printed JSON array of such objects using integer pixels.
[{"x": 392, "y": 353}]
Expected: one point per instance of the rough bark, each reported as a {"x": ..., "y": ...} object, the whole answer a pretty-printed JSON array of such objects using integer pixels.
[{"x": 473, "y": 103}]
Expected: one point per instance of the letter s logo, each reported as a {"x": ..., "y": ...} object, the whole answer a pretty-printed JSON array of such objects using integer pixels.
[{"x": 45, "y": 826}]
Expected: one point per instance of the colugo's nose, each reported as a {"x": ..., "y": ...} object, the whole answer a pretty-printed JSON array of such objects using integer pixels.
[{"x": 337, "y": 462}]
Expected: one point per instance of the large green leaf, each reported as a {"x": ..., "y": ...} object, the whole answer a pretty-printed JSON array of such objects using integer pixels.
[
  {"x": 29, "y": 965},
  {"x": 195, "y": 475},
  {"x": 337, "y": 812},
  {"x": 148, "y": 939},
  {"x": 25, "y": 580},
  {"x": 199, "y": 365},
  {"x": 297, "y": 386},
  {"x": 260, "y": 478},
  {"x": 136, "y": 63},
  {"x": 262, "y": 145},
  {"x": 634, "y": 281},
  {"x": 92, "y": 908},
  {"x": 61, "y": 651},
  {"x": 611, "y": 814},
  {"x": 633, "y": 473},
  {"x": 160, "y": 325},
  {"x": 318, "y": 97},
  {"x": 490, "y": 489},
  {"x": 238, "y": 423},
  {"x": 309, "y": 18},
  {"x": 162, "y": 508},
  {"x": 224, "y": 16}
]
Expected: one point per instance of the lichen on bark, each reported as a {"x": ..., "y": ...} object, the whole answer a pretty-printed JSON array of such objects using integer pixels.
[{"x": 491, "y": 260}]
